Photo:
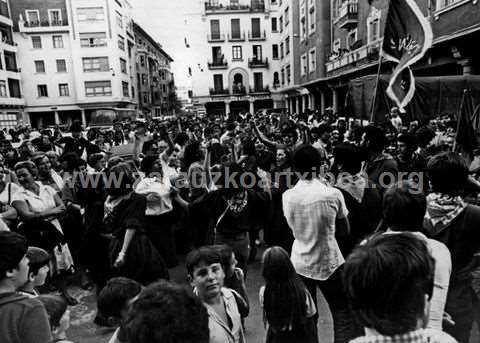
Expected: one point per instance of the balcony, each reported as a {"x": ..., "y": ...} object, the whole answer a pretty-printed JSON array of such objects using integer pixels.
[
  {"x": 348, "y": 15},
  {"x": 257, "y": 63},
  {"x": 364, "y": 55},
  {"x": 43, "y": 26},
  {"x": 216, "y": 38},
  {"x": 255, "y": 6},
  {"x": 260, "y": 90},
  {"x": 257, "y": 36},
  {"x": 239, "y": 90},
  {"x": 219, "y": 92},
  {"x": 218, "y": 64},
  {"x": 4, "y": 9},
  {"x": 236, "y": 38}
]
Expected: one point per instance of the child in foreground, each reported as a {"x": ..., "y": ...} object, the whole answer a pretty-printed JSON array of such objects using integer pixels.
[
  {"x": 38, "y": 268},
  {"x": 58, "y": 316}
]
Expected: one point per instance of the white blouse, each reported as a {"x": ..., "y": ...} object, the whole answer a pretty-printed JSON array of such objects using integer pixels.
[{"x": 157, "y": 191}]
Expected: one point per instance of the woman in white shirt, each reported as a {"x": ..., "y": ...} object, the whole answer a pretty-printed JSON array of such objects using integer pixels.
[{"x": 159, "y": 216}]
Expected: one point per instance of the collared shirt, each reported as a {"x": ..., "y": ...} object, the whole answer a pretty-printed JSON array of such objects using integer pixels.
[
  {"x": 311, "y": 209},
  {"x": 418, "y": 336},
  {"x": 220, "y": 331}
]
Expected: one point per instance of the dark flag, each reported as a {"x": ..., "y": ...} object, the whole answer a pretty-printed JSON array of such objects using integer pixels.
[
  {"x": 465, "y": 138},
  {"x": 407, "y": 37}
]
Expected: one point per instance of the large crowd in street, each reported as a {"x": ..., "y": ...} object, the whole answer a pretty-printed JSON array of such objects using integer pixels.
[{"x": 381, "y": 218}]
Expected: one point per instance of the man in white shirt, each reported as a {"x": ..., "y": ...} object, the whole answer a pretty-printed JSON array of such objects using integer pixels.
[{"x": 317, "y": 212}]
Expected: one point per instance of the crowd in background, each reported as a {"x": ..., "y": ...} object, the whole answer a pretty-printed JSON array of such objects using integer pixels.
[{"x": 381, "y": 218}]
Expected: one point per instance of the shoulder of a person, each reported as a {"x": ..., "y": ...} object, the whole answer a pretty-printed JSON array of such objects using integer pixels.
[{"x": 437, "y": 336}]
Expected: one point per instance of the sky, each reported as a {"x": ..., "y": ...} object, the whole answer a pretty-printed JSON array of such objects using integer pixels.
[{"x": 169, "y": 22}]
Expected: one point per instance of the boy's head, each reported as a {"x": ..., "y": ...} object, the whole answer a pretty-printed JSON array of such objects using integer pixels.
[
  {"x": 165, "y": 312},
  {"x": 57, "y": 311},
  {"x": 228, "y": 258},
  {"x": 37, "y": 266},
  {"x": 205, "y": 272},
  {"x": 389, "y": 283},
  {"x": 114, "y": 299},
  {"x": 13, "y": 259}
]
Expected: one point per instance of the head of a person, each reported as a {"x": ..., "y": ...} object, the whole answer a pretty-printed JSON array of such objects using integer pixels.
[
  {"x": 229, "y": 261},
  {"x": 140, "y": 128},
  {"x": 281, "y": 157},
  {"x": 13, "y": 260},
  {"x": 348, "y": 158},
  {"x": 324, "y": 132},
  {"x": 276, "y": 266},
  {"x": 151, "y": 165},
  {"x": 150, "y": 148},
  {"x": 26, "y": 172},
  {"x": 167, "y": 312},
  {"x": 97, "y": 161},
  {"x": 76, "y": 130},
  {"x": 448, "y": 173},
  {"x": 424, "y": 135},
  {"x": 68, "y": 161},
  {"x": 115, "y": 298},
  {"x": 162, "y": 146},
  {"x": 373, "y": 139},
  {"x": 205, "y": 272},
  {"x": 38, "y": 266},
  {"x": 119, "y": 180},
  {"x": 404, "y": 198},
  {"x": 99, "y": 138},
  {"x": 57, "y": 311},
  {"x": 394, "y": 112},
  {"x": 406, "y": 143},
  {"x": 53, "y": 157},
  {"x": 389, "y": 283},
  {"x": 193, "y": 153},
  {"x": 290, "y": 136},
  {"x": 307, "y": 161}
]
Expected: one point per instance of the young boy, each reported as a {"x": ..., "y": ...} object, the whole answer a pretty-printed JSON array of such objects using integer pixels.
[
  {"x": 37, "y": 271},
  {"x": 114, "y": 301},
  {"x": 22, "y": 320},
  {"x": 206, "y": 276}
]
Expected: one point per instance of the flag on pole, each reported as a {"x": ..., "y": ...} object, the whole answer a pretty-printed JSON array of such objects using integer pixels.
[{"x": 407, "y": 37}]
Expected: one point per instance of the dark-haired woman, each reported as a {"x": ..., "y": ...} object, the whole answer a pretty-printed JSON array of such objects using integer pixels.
[
  {"x": 288, "y": 307},
  {"x": 131, "y": 253},
  {"x": 46, "y": 175}
]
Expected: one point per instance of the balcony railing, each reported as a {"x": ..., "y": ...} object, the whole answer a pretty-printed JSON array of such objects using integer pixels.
[
  {"x": 256, "y": 36},
  {"x": 219, "y": 92},
  {"x": 236, "y": 38},
  {"x": 219, "y": 37},
  {"x": 257, "y": 63},
  {"x": 363, "y": 55},
  {"x": 218, "y": 64},
  {"x": 348, "y": 15},
  {"x": 255, "y": 6},
  {"x": 259, "y": 90},
  {"x": 45, "y": 23},
  {"x": 4, "y": 9},
  {"x": 239, "y": 90},
  {"x": 7, "y": 40}
]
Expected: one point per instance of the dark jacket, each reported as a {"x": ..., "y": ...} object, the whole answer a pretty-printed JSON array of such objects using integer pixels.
[{"x": 23, "y": 320}]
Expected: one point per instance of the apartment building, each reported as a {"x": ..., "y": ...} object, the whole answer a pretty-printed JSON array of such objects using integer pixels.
[
  {"x": 11, "y": 99},
  {"x": 240, "y": 71},
  {"x": 155, "y": 83},
  {"x": 77, "y": 58}
]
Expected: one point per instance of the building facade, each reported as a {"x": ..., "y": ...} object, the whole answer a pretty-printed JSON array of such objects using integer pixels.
[
  {"x": 77, "y": 58},
  {"x": 155, "y": 83},
  {"x": 240, "y": 71},
  {"x": 11, "y": 93}
]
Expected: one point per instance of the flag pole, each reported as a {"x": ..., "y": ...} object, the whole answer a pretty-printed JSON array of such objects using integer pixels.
[{"x": 380, "y": 57}]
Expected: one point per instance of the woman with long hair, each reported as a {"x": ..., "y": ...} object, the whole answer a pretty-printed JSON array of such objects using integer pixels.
[{"x": 288, "y": 307}]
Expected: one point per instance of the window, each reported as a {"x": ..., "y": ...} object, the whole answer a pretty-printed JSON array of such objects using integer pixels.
[
  {"x": 42, "y": 91},
  {"x": 280, "y": 24},
  {"x": 3, "y": 89},
  {"x": 55, "y": 17},
  {"x": 57, "y": 42},
  {"x": 215, "y": 29},
  {"x": 40, "y": 67},
  {"x": 282, "y": 76},
  {"x": 303, "y": 65},
  {"x": 373, "y": 26},
  {"x": 218, "y": 82},
  {"x": 441, "y": 4},
  {"x": 8, "y": 120},
  {"x": 275, "y": 51},
  {"x": 256, "y": 33},
  {"x": 91, "y": 64},
  {"x": 125, "y": 89},
  {"x": 287, "y": 71},
  {"x": 33, "y": 17},
  {"x": 119, "y": 19},
  {"x": 142, "y": 60},
  {"x": 312, "y": 66},
  {"x": 337, "y": 44},
  {"x": 61, "y": 66},
  {"x": 311, "y": 17},
  {"x": 281, "y": 50},
  {"x": 63, "y": 89},
  {"x": 287, "y": 45},
  {"x": 164, "y": 88},
  {"x": 89, "y": 14},
  {"x": 274, "y": 24},
  {"x": 91, "y": 40},
  {"x": 258, "y": 82},
  {"x": 303, "y": 28},
  {"x": 121, "y": 43},
  {"x": 237, "y": 52},
  {"x": 257, "y": 52},
  {"x": 98, "y": 88},
  {"x": 351, "y": 38},
  {"x": 123, "y": 65},
  {"x": 287, "y": 17},
  {"x": 236, "y": 34},
  {"x": 37, "y": 42}
]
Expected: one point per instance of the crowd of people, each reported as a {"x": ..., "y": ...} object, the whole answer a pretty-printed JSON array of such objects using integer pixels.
[{"x": 382, "y": 219}]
